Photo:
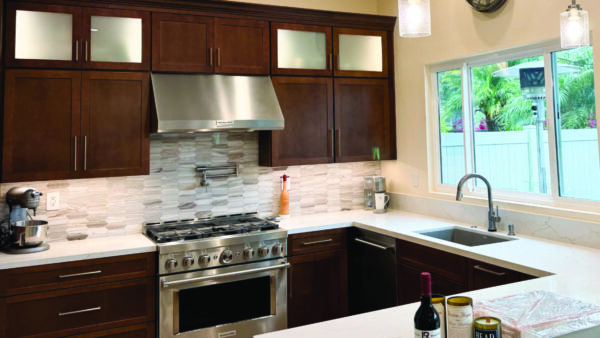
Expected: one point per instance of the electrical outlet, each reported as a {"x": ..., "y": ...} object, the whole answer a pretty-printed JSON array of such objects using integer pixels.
[
  {"x": 53, "y": 201},
  {"x": 415, "y": 179}
]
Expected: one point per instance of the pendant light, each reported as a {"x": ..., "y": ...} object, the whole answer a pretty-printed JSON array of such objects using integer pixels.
[
  {"x": 574, "y": 27},
  {"x": 414, "y": 18}
]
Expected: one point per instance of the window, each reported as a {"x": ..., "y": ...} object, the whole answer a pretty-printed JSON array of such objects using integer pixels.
[{"x": 524, "y": 119}]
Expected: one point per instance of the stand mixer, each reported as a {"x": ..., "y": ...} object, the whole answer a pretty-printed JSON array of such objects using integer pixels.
[{"x": 20, "y": 233}]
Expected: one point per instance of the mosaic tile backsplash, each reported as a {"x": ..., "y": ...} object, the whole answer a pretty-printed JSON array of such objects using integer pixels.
[{"x": 116, "y": 206}]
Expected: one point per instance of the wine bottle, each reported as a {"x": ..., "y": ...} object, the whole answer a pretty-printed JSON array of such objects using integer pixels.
[{"x": 427, "y": 320}]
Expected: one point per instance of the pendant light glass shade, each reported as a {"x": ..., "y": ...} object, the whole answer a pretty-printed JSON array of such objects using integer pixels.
[
  {"x": 574, "y": 27},
  {"x": 414, "y": 18}
]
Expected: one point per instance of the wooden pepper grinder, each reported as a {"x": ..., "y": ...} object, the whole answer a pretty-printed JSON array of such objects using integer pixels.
[{"x": 284, "y": 199}]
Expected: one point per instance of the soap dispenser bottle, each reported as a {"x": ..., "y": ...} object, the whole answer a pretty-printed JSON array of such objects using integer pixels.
[{"x": 284, "y": 199}]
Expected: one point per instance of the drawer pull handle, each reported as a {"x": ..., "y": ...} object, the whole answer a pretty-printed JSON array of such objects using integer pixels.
[
  {"x": 477, "y": 267},
  {"x": 318, "y": 242},
  {"x": 81, "y": 274},
  {"x": 79, "y": 311},
  {"x": 372, "y": 244}
]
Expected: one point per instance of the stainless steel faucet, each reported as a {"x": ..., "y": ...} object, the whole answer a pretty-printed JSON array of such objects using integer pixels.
[{"x": 492, "y": 216}]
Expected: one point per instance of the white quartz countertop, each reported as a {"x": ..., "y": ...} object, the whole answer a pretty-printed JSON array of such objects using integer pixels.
[
  {"x": 69, "y": 251},
  {"x": 570, "y": 270}
]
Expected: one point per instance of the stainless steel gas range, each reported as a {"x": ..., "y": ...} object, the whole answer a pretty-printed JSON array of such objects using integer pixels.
[{"x": 221, "y": 277}]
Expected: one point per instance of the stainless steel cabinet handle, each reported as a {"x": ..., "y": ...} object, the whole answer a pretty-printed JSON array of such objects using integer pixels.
[
  {"x": 75, "y": 153},
  {"x": 86, "y": 51},
  {"x": 218, "y": 57},
  {"x": 81, "y": 274},
  {"x": 84, "y": 153},
  {"x": 291, "y": 290},
  {"x": 211, "y": 57},
  {"x": 477, "y": 267},
  {"x": 166, "y": 284},
  {"x": 79, "y": 311},
  {"x": 76, "y": 50},
  {"x": 331, "y": 150},
  {"x": 330, "y": 66},
  {"x": 371, "y": 244},
  {"x": 318, "y": 242}
]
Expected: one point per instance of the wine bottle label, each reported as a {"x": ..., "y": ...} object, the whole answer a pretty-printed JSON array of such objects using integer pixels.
[{"x": 428, "y": 334}]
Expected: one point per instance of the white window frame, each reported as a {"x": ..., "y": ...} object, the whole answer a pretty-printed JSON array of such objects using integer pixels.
[{"x": 544, "y": 48}]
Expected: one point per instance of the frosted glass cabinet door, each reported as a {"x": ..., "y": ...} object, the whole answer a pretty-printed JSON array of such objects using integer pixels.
[
  {"x": 360, "y": 52},
  {"x": 116, "y": 39},
  {"x": 300, "y": 49},
  {"x": 42, "y": 35}
]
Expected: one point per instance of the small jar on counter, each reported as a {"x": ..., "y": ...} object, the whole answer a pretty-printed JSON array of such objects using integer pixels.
[{"x": 459, "y": 312}]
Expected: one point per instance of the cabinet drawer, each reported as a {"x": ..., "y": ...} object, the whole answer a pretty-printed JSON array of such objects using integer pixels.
[
  {"x": 79, "y": 273},
  {"x": 409, "y": 285},
  {"x": 439, "y": 262},
  {"x": 317, "y": 241},
  {"x": 134, "y": 331},
  {"x": 483, "y": 275},
  {"x": 79, "y": 310}
]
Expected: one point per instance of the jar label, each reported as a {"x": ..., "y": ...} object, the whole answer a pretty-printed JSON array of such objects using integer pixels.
[{"x": 460, "y": 321}]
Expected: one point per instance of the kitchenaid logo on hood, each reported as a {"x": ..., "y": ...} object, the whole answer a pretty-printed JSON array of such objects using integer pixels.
[
  {"x": 228, "y": 334},
  {"x": 224, "y": 124}
]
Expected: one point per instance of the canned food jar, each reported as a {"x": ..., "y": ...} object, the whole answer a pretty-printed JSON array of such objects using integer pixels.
[
  {"x": 459, "y": 312},
  {"x": 487, "y": 327}
]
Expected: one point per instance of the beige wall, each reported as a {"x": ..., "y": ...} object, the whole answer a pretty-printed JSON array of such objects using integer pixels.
[
  {"x": 355, "y": 6},
  {"x": 458, "y": 31}
]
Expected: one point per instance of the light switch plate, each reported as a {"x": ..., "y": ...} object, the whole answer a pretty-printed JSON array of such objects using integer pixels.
[{"x": 53, "y": 201}]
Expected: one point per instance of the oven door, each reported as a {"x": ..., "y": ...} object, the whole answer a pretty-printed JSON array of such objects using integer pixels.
[{"x": 233, "y": 301}]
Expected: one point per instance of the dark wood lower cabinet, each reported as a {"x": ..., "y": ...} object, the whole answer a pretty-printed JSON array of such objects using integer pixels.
[
  {"x": 146, "y": 330},
  {"x": 317, "y": 287},
  {"x": 409, "y": 285},
  {"x": 79, "y": 310}
]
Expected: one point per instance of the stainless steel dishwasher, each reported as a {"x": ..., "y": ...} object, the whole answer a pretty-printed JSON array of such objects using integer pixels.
[{"x": 371, "y": 271}]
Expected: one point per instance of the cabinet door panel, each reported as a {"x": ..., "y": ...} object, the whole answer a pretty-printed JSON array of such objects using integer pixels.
[
  {"x": 43, "y": 36},
  {"x": 483, "y": 275},
  {"x": 360, "y": 52},
  {"x": 115, "y": 126},
  {"x": 242, "y": 46},
  {"x": 317, "y": 288},
  {"x": 300, "y": 49},
  {"x": 41, "y": 125},
  {"x": 307, "y": 106},
  {"x": 362, "y": 120},
  {"x": 182, "y": 43},
  {"x": 409, "y": 285},
  {"x": 116, "y": 39}
]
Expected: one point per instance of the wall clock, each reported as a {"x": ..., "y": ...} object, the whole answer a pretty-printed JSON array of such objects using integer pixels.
[{"x": 486, "y": 6}]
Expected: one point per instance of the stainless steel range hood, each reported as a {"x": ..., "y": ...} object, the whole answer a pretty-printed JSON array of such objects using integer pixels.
[{"x": 195, "y": 103}]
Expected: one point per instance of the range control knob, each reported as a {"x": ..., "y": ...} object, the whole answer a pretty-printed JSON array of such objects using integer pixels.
[
  {"x": 171, "y": 263},
  {"x": 263, "y": 251},
  {"x": 248, "y": 253},
  {"x": 226, "y": 256},
  {"x": 204, "y": 260},
  {"x": 188, "y": 261},
  {"x": 277, "y": 249}
]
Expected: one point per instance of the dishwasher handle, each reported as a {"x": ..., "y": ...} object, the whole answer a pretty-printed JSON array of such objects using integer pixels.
[{"x": 375, "y": 245}]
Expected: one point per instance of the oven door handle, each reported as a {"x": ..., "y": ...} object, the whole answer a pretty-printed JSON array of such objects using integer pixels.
[{"x": 166, "y": 284}]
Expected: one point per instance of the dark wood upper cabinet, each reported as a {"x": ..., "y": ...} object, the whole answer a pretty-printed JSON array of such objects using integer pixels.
[
  {"x": 363, "y": 125},
  {"x": 116, "y": 39},
  {"x": 39, "y": 35},
  {"x": 114, "y": 124},
  {"x": 182, "y": 43},
  {"x": 360, "y": 52},
  {"x": 308, "y": 134},
  {"x": 41, "y": 125},
  {"x": 301, "y": 49},
  {"x": 242, "y": 46}
]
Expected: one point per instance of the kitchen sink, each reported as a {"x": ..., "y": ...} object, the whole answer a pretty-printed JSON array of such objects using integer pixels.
[{"x": 464, "y": 236}]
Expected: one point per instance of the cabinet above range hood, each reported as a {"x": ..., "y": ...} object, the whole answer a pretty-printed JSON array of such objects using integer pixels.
[{"x": 195, "y": 103}]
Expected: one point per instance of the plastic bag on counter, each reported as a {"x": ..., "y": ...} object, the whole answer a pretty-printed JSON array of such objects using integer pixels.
[{"x": 539, "y": 314}]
